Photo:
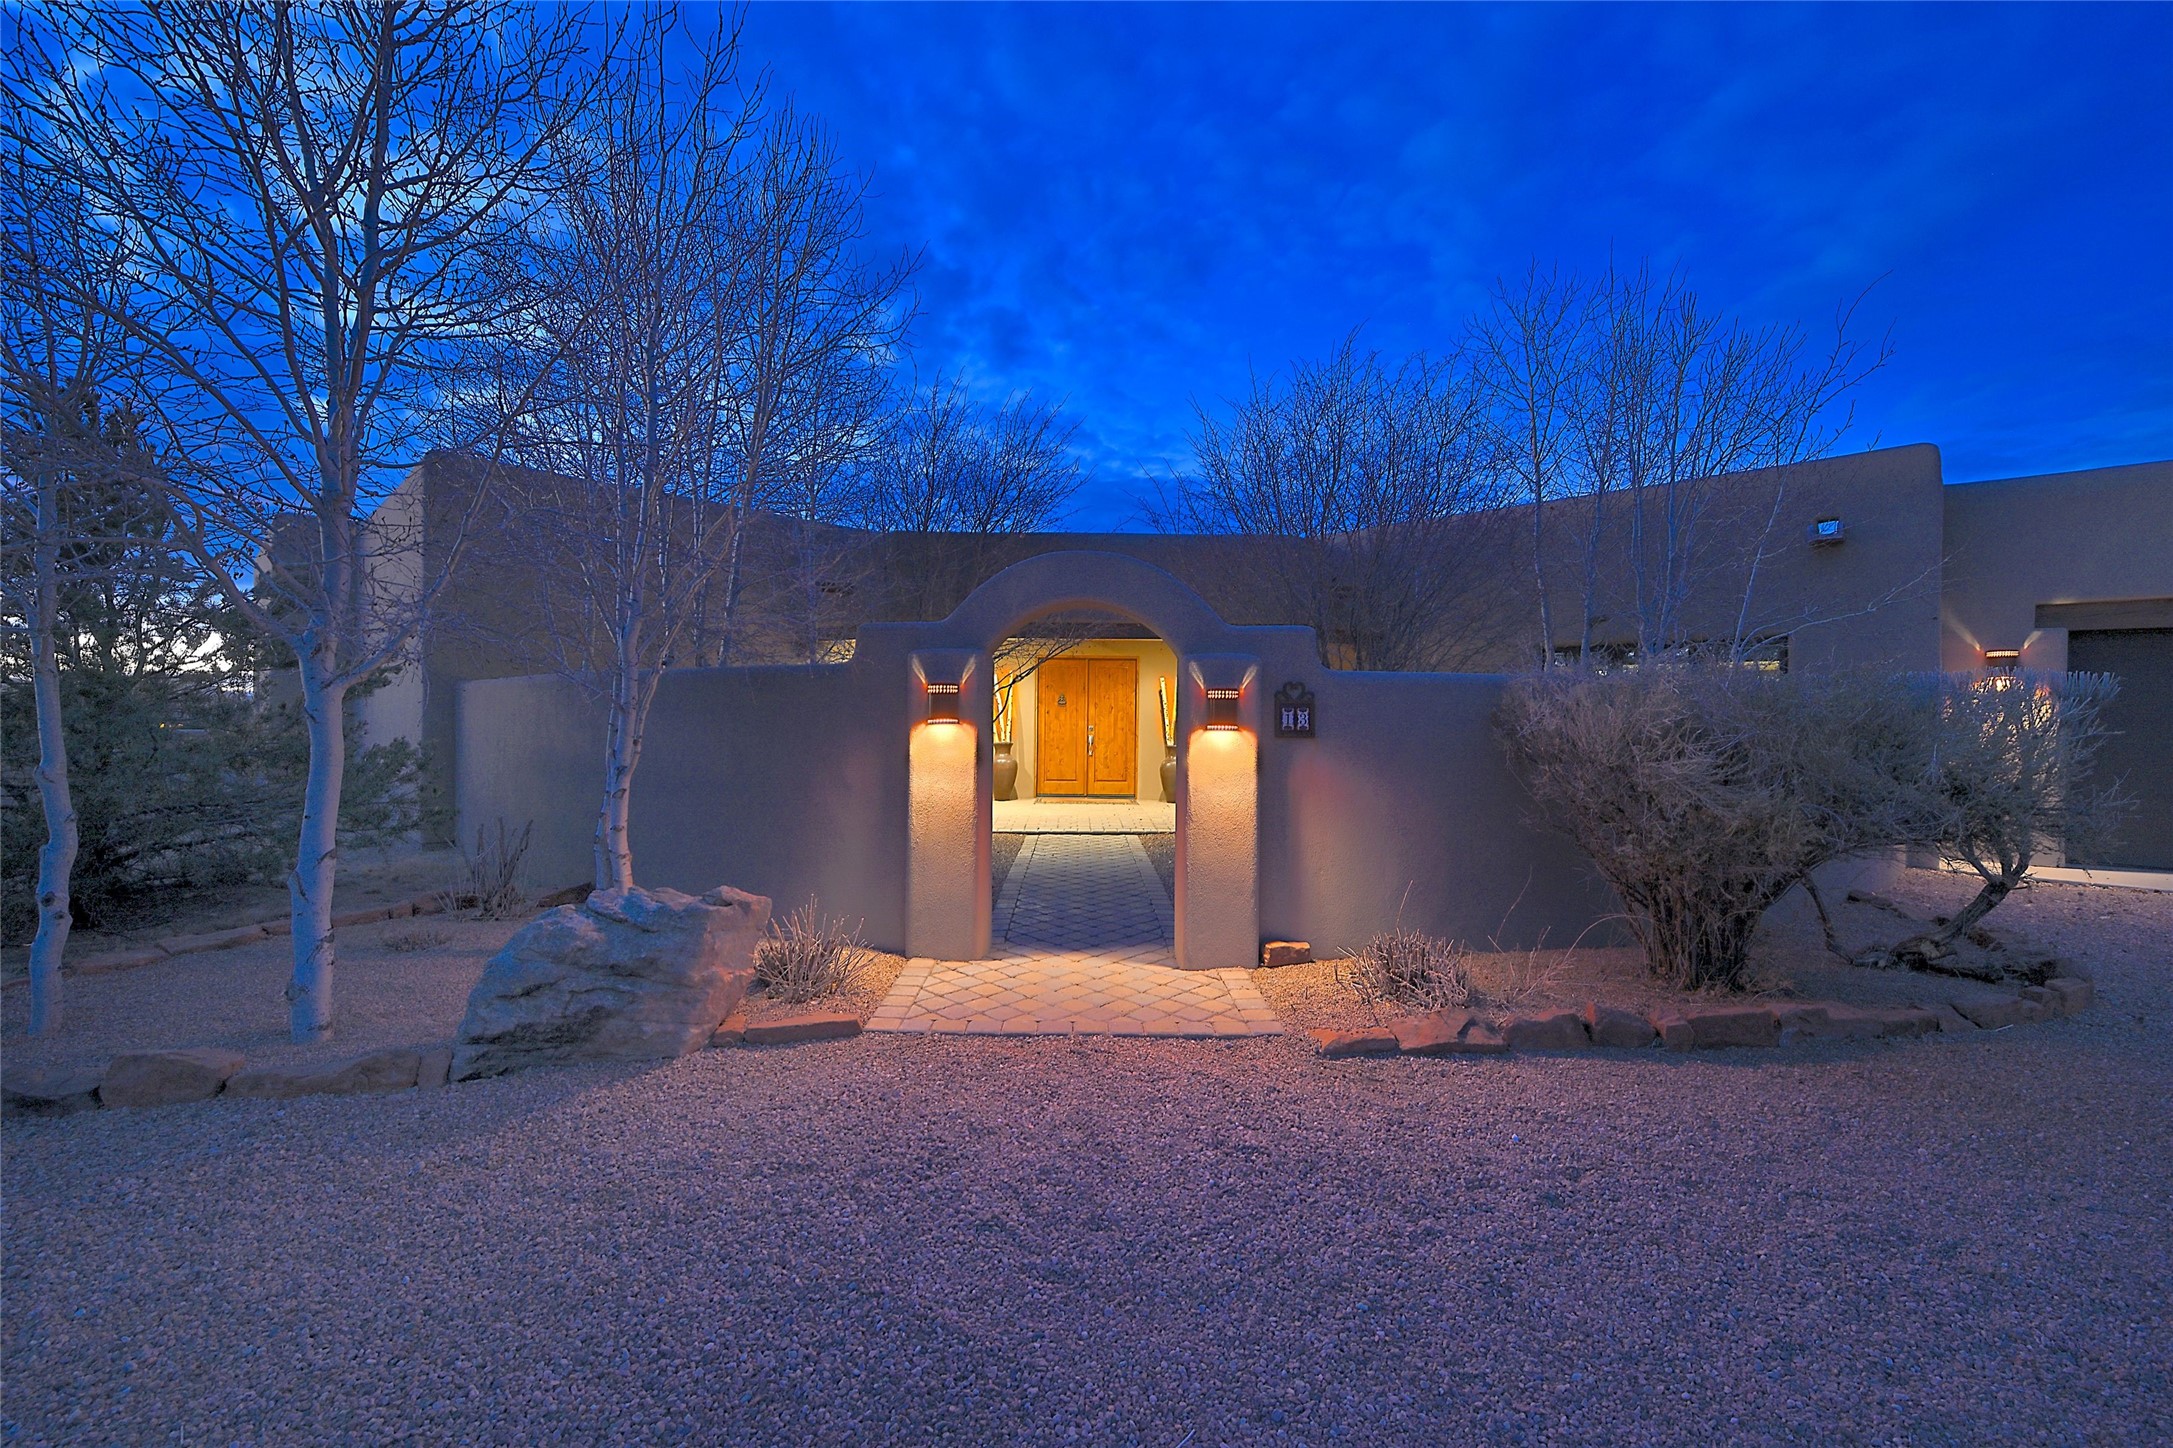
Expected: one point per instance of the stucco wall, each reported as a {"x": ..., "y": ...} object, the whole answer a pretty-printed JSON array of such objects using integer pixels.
[
  {"x": 2064, "y": 538},
  {"x": 796, "y": 782},
  {"x": 770, "y": 779},
  {"x": 1403, "y": 804}
]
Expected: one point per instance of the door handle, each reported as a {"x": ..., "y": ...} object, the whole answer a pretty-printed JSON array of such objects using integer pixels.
[{"x": 1090, "y": 739}]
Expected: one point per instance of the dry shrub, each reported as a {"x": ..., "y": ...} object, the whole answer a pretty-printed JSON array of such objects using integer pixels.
[
  {"x": 1702, "y": 792},
  {"x": 494, "y": 872},
  {"x": 805, "y": 957},
  {"x": 1409, "y": 968},
  {"x": 1521, "y": 977},
  {"x": 407, "y": 942}
]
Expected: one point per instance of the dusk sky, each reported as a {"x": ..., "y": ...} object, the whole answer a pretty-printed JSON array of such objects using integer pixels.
[{"x": 1128, "y": 207}]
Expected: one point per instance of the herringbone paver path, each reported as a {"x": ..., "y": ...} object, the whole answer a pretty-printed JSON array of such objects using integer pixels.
[{"x": 1083, "y": 945}]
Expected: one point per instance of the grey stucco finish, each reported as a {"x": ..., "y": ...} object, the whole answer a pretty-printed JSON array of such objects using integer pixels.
[{"x": 792, "y": 782}]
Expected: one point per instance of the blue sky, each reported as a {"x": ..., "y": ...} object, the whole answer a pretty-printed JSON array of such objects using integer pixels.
[{"x": 1130, "y": 207}]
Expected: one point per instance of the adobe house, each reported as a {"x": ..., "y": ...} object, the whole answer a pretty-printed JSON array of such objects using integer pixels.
[{"x": 869, "y": 782}]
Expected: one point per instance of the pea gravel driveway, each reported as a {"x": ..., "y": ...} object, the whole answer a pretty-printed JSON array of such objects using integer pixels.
[{"x": 908, "y": 1240}]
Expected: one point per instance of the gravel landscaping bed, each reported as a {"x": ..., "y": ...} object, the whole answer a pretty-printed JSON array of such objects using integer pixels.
[
  {"x": 397, "y": 983},
  {"x": 869, "y": 985},
  {"x": 1789, "y": 961},
  {"x": 1956, "y": 1240}
]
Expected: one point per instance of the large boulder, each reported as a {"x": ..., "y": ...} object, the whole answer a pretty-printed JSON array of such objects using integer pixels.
[{"x": 626, "y": 975}]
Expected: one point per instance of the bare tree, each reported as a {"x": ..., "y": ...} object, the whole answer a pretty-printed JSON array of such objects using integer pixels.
[
  {"x": 1530, "y": 349},
  {"x": 70, "y": 472},
  {"x": 701, "y": 289},
  {"x": 1363, "y": 495},
  {"x": 960, "y": 482},
  {"x": 311, "y": 197},
  {"x": 1632, "y": 396}
]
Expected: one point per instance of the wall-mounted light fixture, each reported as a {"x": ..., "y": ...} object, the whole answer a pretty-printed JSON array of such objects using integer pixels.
[
  {"x": 1222, "y": 708},
  {"x": 2002, "y": 661},
  {"x": 1828, "y": 531},
  {"x": 942, "y": 703}
]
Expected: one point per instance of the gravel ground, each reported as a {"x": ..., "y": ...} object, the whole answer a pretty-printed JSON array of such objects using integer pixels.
[
  {"x": 381, "y": 996},
  {"x": 906, "y": 1240}
]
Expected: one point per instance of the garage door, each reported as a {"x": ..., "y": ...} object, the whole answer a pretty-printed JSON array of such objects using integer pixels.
[{"x": 2141, "y": 749}]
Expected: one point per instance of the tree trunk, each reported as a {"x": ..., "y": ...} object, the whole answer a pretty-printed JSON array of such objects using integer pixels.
[
  {"x": 316, "y": 859},
  {"x": 56, "y": 862},
  {"x": 614, "y": 852}
]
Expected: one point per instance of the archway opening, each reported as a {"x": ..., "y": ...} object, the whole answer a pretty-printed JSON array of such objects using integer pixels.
[{"x": 1083, "y": 815}]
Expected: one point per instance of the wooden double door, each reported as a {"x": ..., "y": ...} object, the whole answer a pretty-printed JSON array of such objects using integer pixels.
[{"x": 1087, "y": 741}]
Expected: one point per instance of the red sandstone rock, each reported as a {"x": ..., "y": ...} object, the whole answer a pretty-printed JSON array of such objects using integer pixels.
[
  {"x": 166, "y": 1078},
  {"x": 1371, "y": 1041},
  {"x": 1994, "y": 1015},
  {"x": 1720, "y": 1026},
  {"x": 371, "y": 1073},
  {"x": 1555, "y": 1031},
  {"x": 1447, "y": 1033},
  {"x": 1673, "y": 1028},
  {"x": 1286, "y": 952},
  {"x": 2074, "y": 993},
  {"x": 50, "y": 1090},
  {"x": 1612, "y": 1026},
  {"x": 733, "y": 1032},
  {"x": 812, "y": 1026}
]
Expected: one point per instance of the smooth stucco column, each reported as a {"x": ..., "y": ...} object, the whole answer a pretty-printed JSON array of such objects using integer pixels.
[
  {"x": 946, "y": 866},
  {"x": 1218, "y": 819}
]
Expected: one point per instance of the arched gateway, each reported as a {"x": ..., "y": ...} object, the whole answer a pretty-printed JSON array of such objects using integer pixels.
[
  {"x": 866, "y": 787},
  {"x": 947, "y": 670}
]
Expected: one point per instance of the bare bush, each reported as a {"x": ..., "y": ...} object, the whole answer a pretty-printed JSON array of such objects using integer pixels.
[
  {"x": 1409, "y": 968},
  {"x": 409, "y": 942},
  {"x": 2012, "y": 780},
  {"x": 494, "y": 872},
  {"x": 806, "y": 957},
  {"x": 1703, "y": 792}
]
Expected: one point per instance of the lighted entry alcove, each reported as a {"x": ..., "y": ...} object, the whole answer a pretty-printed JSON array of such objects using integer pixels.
[{"x": 950, "y": 766}]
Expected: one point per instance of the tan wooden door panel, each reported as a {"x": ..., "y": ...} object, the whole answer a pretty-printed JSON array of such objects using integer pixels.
[
  {"x": 1060, "y": 758},
  {"x": 1112, "y": 726}
]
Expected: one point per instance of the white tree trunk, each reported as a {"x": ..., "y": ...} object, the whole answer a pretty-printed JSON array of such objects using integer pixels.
[
  {"x": 316, "y": 860},
  {"x": 56, "y": 862},
  {"x": 622, "y": 751}
]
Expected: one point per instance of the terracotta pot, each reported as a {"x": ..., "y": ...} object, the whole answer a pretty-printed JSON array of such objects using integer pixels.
[
  {"x": 1007, "y": 773},
  {"x": 1169, "y": 771}
]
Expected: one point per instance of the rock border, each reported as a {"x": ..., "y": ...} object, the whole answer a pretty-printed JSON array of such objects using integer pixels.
[
  {"x": 1695, "y": 1026},
  {"x": 136, "y": 1079},
  {"x": 170, "y": 946}
]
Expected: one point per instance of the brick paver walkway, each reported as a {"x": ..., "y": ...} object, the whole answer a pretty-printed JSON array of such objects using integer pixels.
[{"x": 1083, "y": 945}]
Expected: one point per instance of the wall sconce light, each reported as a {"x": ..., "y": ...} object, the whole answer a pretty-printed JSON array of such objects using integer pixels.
[
  {"x": 2002, "y": 661},
  {"x": 1827, "y": 531},
  {"x": 943, "y": 703},
  {"x": 1222, "y": 708}
]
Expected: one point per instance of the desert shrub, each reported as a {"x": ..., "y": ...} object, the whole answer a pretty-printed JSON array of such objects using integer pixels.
[
  {"x": 805, "y": 957},
  {"x": 494, "y": 870},
  {"x": 1702, "y": 792},
  {"x": 1410, "y": 968},
  {"x": 425, "y": 937},
  {"x": 2011, "y": 779}
]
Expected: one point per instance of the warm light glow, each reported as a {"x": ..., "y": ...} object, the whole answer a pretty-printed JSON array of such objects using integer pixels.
[
  {"x": 943, "y": 703},
  {"x": 2002, "y": 661},
  {"x": 1222, "y": 708}
]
